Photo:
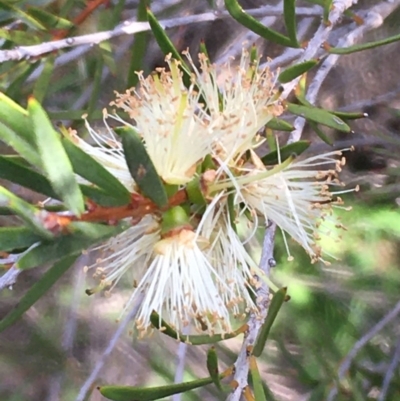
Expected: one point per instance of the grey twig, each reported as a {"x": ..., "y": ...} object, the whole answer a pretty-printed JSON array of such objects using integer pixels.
[
  {"x": 345, "y": 365},
  {"x": 8, "y": 279},
  {"x": 394, "y": 363},
  {"x": 130, "y": 27},
  {"x": 111, "y": 345},
  {"x": 373, "y": 18},
  {"x": 180, "y": 367},
  {"x": 256, "y": 319}
]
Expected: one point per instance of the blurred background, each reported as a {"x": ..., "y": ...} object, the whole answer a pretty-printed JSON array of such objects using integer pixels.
[{"x": 48, "y": 355}]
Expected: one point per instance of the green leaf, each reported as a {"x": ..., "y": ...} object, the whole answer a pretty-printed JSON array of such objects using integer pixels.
[
  {"x": 259, "y": 394},
  {"x": 83, "y": 237},
  {"x": 364, "y": 46},
  {"x": 212, "y": 367},
  {"x": 100, "y": 197},
  {"x": 319, "y": 116},
  {"x": 166, "y": 329},
  {"x": 274, "y": 307},
  {"x": 21, "y": 14},
  {"x": 289, "y": 14},
  {"x": 54, "y": 160},
  {"x": 15, "y": 89},
  {"x": 296, "y": 70},
  {"x": 17, "y": 119},
  {"x": 320, "y": 133},
  {"x": 141, "y": 167},
  {"x": 42, "y": 83},
  {"x": 24, "y": 176},
  {"x": 285, "y": 152},
  {"x": 91, "y": 170},
  {"x": 12, "y": 238},
  {"x": 20, "y": 38},
  {"x": 167, "y": 47},
  {"x": 139, "y": 47},
  {"x": 237, "y": 12},
  {"x": 28, "y": 213},
  {"x": 38, "y": 289},
  {"x": 48, "y": 20},
  {"x": 21, "y": 146},
  {"x": 95, "y": 92},
  {"x": 350, "y": 116},
  {"x": 127, "y": 393},
  {"x": 279, "y": 125},
  {"x": 327, "y": 4}
]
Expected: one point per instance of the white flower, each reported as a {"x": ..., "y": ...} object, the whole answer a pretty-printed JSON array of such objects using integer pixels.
[
  {"x": 108, "y": 151},
  {"x": 294, "y": 195},
  {"x": 128, "y": 252},
  {"x": 240, "y": 101},
  {"x": 233, "y": 264},
  {"x": 183, "y": 287},
  {"x": 167, "y": 116}
]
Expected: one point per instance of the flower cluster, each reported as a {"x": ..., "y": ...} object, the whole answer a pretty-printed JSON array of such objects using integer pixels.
[{"x": 188, "y": 262}]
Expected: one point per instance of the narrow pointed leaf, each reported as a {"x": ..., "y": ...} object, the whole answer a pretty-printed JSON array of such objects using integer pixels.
[
  {"x": 289, "y": 14},
  {"x": 139, "y": 47},
  {"x": 285, "y": 152},
  {"x": 319, "y": 116},
  {"x": 212, "y": 367},
  {"x": 38, "y": 289},
  {"x": 96, "y": 86},
  {"x": 11, "y": 169},
  {"x": 49, "y": 20},
  {"x": 271, "y": 139},
  {"x": 88, "y": 168},
  {"x": 12, "y": 238},
  {"x": 126, "y": 393},
  {"x": 326, "y": 4},
  {"x": 232, "y": 211},
  {"x": 364, "y": 46},
  {"x": 166, "y": 46},
  {"x": 84, "y": 236},
  {"x": 16, "y": 118},
  {"x": 28, "y": 213},
  {"x": 274, "y": 307},
  {"x": 20, "y": 38},
  {"x": 141, "y": 167},
  {"x": 237, "y": 12},
  {"x": 279, "y": 125},
  {"x": 20, "y": 145},
  {"x": 100, "y": 197},
  {"x": 25, "y": 176},
  {"x": 320, "y": 133},
  {"x": 258, "y": 389},
  {"x": 296, "y": 70},
  {"x": 350, "y": 116},
  {"x": 4, "y": 5},
  {"x": 15, "y": 89},
  {"x": 43, "y": 82},
  {"x": 166, "y": 329},
  {"x": 55, "y": 162}
]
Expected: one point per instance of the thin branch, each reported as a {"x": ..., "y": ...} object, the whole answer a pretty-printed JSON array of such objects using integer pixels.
[
  {"x": 394, "y": 363},
  {"x": 111, "y": 345},
  {"x": 180, "y": 367},
  {"x": 8, "y": 279},
  {"x": 130, "y": 27},
  {"x": 373, "y": 18},
  {"x": 345, "y": 365},
  {"x": 256, "y": 319}
]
